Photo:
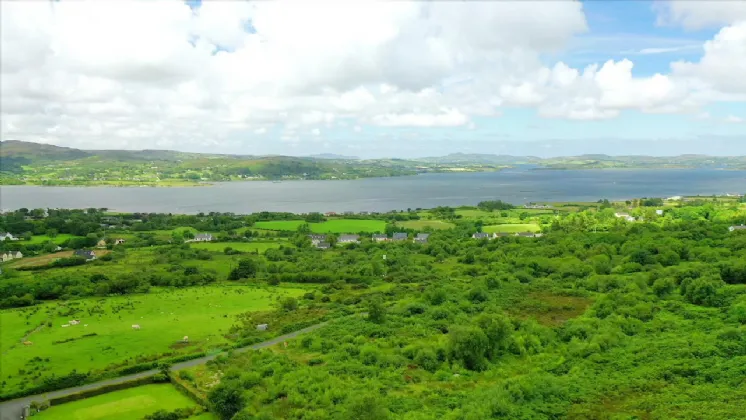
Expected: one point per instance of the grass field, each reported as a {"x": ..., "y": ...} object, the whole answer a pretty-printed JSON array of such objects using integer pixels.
[
  {"x": 422, "y": 224},
  {"x": 330, "y": 226},
  {"x": 40, "y": 239},
  {"x": 512, "y": 228},
  {"x": 105, "y": 336},
  {"x": 127, "y": 404},
  {"x": 238, "y": 246}
]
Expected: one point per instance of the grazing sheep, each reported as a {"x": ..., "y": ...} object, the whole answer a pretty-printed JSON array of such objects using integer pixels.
[
  {"x": 185, "y": 339},
  {"x": 135, "y": 326},
  {"x": 65, "y": 325},
  {"x": 27, "y": 343},
  {"x": 74, "y": 322}
]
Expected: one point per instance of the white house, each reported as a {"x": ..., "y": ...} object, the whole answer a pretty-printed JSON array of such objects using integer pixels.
[
  {"x": 349, "y": 239},
  {"x": 7, "y": 236},
  {"x": 481, "y": 235},
  {"x": 733, "y": 228},
  {"x": 624, "y": 216},
  {"x": 659, "y": 212},
  {"x": 202, "y": 237}
]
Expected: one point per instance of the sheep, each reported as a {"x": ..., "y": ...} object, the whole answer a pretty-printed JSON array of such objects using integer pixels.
[
  {"x": 185, "y": 339},
  {"x": 135, "y": 326},
  {"x": 65, "y": 325}
]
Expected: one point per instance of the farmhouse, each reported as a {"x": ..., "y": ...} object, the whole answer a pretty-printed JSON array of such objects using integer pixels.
[
  {"x": 624, "y": 216},
  {"x": 481, "y": 235},
  {"x": 399, "y": 236},
  {"x": 83, "y": 253},
  {"x": 421, "y": 238},
  {"x": 380, "y": 237},
  {"x": 202, "y": 237},
  {"x": 119, "y": 241},
  {"x": 527, "y": 234},
  {"x": 659, "y": 212},
  {"x": 734, "y": 228},
  {"x": 262, "y": 327},
  {"x": 317, "y": 239},
  {"x": 6, "y": 236},
  {"x": 349, "y": 239},
  {"x": 323, "y": 245}
]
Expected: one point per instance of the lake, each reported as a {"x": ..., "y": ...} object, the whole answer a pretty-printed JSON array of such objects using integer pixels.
[{"x": 516, "y": 186}]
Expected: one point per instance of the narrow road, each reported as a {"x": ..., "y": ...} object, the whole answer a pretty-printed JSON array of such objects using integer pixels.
[{"x": 12, "y": 410}]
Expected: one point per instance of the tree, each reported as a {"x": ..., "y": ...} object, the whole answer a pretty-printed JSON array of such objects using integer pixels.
[
  {"x": 469, "y": 345},
  {"x": 289, "y": 304},
  {"x": 247, "y": 267},
  {"x": 226, "y": 399},
  {"x": 366, "y": 407},
  {"x": 376, "y": 311}
]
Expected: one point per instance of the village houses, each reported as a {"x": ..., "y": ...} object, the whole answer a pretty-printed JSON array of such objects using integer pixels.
[{"x": 11, "y": 256}]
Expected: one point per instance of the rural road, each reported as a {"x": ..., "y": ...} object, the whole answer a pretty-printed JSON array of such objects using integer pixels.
[{"x": 12, "y": 410}]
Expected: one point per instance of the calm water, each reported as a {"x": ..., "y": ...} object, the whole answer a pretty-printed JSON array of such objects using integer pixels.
[{"x": 381, "y": 194}]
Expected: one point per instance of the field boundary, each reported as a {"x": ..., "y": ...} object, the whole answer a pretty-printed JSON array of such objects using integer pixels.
[{"x": 11, "y": 409}]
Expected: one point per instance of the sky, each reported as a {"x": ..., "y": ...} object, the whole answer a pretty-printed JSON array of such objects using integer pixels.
[{"x": 377, "y": 78}]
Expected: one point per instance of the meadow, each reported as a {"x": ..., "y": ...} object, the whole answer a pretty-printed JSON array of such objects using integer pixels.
[
  {"x": 41, "y": 239},
  {"x": 127, "y": 404},
  {"x": 512, "y": 228},
  {"x": 260, "y": 247},
  {"x": 105, "y": 338},
  {"x": 330, "y": 226}
]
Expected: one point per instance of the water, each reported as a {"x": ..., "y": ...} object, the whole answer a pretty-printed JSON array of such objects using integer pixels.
[{"x": 382, "y": 194}]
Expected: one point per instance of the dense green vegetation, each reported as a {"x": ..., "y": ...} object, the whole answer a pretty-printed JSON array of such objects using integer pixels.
[{"x": 597, "y": 318}]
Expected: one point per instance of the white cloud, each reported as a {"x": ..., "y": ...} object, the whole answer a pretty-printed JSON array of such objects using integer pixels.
[
  {"x": 700, "y": 14},
  {"x": 733, "y": 119},
  {"x": 151, "y": 73}
]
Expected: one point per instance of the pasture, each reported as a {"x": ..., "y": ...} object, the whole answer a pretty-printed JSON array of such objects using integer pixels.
[
  {"x": 512, "y": 228},
  {"x": 261, "y": 247},
  {"x": 127, "y": 404},
  {"x": 105, "y": 339},
  {"x": 422, "y": 224},
  {"x": 330, "y": 226}
]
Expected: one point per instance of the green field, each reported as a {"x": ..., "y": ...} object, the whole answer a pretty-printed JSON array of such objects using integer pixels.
[
  {"x": 204, "y": 314},
  {"x": 330, "y": 226},
  {"x": 238, "y": 246},
  {"x": 41, "y": 239},
  {"x": 127, "y": 404},
  {"x": 279, "y": 224},
  {"x": 422, "y": 224},
  {"x": 512, "y": 228}
]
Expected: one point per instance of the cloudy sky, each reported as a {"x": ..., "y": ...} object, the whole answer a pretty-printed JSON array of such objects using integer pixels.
[{"x": 387, "y": 78}]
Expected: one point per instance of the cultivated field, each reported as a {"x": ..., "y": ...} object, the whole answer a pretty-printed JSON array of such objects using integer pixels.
[
  {"x": 238, "y": 246},
  {"x": 512, "y": 228},
  {"x": 105, "y": 338},
  {"x": 127, "y": 404},
  {"x": 48, "y": 258},
  {"x": 330, "y": 226}
]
